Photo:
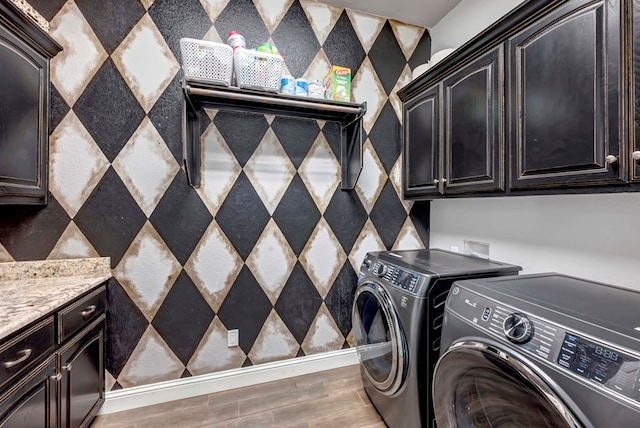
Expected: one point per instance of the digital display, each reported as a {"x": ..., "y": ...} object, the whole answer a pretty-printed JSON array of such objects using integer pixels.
[
  {"x": 403, "y": 278},
  {"x": 603, "y": 365}
]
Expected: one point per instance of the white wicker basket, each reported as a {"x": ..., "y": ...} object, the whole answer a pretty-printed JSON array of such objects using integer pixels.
[
  {"x": 206, "y": 62},
  {"x": 258, "y": 70}
]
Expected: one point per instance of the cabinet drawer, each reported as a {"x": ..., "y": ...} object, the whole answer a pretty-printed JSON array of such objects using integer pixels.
[
  {"x": 81, "y": 313},
  {"x": 21, "y": 351}
]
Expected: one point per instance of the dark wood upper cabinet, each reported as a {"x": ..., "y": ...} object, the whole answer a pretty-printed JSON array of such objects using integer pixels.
[
  {"x": 422, "y": 144},
  {"x": 474, "y": 128},
  {"x": 25, "y": 51},
  {"x": 635, "y": 142},
  {"x": 564, "y": 94}
]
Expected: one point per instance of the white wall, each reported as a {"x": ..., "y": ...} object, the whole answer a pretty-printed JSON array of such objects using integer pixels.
[
  {"x": 589, "y": 236},
  {"x": 466, "y": 20}
]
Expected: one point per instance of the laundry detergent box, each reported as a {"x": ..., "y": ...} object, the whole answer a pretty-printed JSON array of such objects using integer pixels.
[{"x": 337, "y": 84}]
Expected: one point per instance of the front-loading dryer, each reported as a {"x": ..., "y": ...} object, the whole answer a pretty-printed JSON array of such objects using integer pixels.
[
  {"x": 397, "y": 318},
  {"x": 543, "y": 350}
]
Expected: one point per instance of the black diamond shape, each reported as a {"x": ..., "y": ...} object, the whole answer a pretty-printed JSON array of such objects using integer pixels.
[
  {"x": 112, "y": 27},
  {"x": 183, "y": 318},
  {"x": 386, "y": 136},
  {"x": 177, "y": 19},
  {"x": 297, "y": 215},
  {"x": 186, "y": 373},
  {"x": 30, "y": 233},
  {"x": 181, "y": 218},
  {"x": 116, "y": 386},
  {"x": 125, "y": 327},
  {"x": 296, "y": 136},
  {"x": 298, "y": 303},
  {"x": 247, "y": 362},
  {"x": 242, "y": 216},
  {"x": 110, "y": 218},
  {"x": 339, "y": 300},
  {"x": 47, "y": 8},
  {"x": 387, "y": 58},
  {"x": 58, "y": 108},
  {"x": 333, "y": 134},
  {"x": 420, "y": 216},
  {"x": 422, "y": 53},
  {"x": 295, "y": 39},
  {"x": 246, "y": 308},
  {"x": 346, "y": 216},
  {"x": 388, "y": 215},
  {"x": 300, "y": 353},
  {"x": 343, "y": 46},
  {"x": 166, "y": 116},
  {"x": 108, "y": 110},
  {"x": 243, "y": 17},
  {"x": 242, "y": 132}
]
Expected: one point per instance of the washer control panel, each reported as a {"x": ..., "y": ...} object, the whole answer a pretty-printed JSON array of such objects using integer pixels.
[
  {"x": 589, "y": 359},
  {"x": 401, "y": 278}
]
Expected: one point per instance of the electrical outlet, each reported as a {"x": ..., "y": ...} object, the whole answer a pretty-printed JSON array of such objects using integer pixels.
[
  {"x": 455, "y": 249},
  {"x": 233, "y": 337}
]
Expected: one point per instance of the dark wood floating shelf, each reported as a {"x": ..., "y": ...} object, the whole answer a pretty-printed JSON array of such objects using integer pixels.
[{"x": 198, "y": 95}]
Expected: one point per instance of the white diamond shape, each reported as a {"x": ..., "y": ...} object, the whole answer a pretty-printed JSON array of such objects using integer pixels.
[
  {"x": 214, "y": 8},
  {"x": 323, "y": 257},
  {"x": 220, "y": 169},
  {"x": 271, "y": 261},
  {"x": 4, "y": 255},
  {"x": 214, "y": 266},
  {"x": 109, "y": 381},
  {"x": 367, "y": 27},
  {"x": 403, "y": 80},
  {"x": 147, "y": 271},
  {"x": 72, "y": 244},
  {"x": 151, "y": 361},
  {"x": 408, "y": 238},
  {"x": 322, "y": 17},
  {"x": 76, "y": 164},
  {"x": 320, "y": 172},
  {"x": 407, "y": 36},
  {"x": 146, "y": 166},
  {"x": 272, "y": 12},
  {"x": 372, "y": 178},
  {"x": 317, "y": 70},
  {"x": 212, "y": 354},
  {"x": 367, "y": 241},
  {"x": 324, "y": 335},
  {"x": 147, "y": 3},
  {"x": 81, "y": 57},
  {"x": 270, "y": 171},
  {"x": 367, "y": 87},
  {"x": 213, "y": 36},
  {"x": 274, "y": 342},
  {"x": 145, "y": 62},
  {"x": 396, "y": 180}
]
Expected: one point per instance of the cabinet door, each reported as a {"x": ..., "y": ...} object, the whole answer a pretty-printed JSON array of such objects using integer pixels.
[
  {"x": 421, "y": 154},
  {"x": 23, "y": 121},
  {"x": 82, "y": 383},
  {"x": 474, "y": 132},
  {"x": 635, "y": 144},
  {"x": 564, "y": 94},
  {"x": 31, "y": 403}
]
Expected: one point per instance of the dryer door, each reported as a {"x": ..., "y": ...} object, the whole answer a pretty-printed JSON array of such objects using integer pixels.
[
  {"x": 380, "y": 342},
  {"x": 477, "y": 385}
]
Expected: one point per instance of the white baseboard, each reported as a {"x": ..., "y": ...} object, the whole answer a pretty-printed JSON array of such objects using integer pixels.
[{"x": 147, "y": 395}]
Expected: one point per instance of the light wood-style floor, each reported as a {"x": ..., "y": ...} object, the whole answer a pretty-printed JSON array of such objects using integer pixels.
[{"x": 332, "y": 398}]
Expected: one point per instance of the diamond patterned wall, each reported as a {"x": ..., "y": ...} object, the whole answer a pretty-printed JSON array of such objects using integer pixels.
[{"x": 269, "y": 244}]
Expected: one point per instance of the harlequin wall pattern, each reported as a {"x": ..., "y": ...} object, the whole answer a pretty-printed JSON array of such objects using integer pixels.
[{"x": 268, "y": 244}]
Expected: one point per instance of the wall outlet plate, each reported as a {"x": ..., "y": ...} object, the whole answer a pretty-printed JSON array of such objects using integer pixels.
[{"x": 233, "y": 338}]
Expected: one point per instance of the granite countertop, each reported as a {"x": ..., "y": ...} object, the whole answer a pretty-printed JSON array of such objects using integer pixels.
[{"x": 30, "y": 290}]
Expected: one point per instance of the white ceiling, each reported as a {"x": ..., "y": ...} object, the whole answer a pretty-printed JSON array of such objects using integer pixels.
[{"x": 424, "y": 13}]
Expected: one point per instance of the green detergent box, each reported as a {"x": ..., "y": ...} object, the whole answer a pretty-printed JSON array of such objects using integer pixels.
[{"x": 337, "y": 84}]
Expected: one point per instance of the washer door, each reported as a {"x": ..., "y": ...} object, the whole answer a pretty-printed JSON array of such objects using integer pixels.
[
  {"x": 478, "y": 385},
  {"x": 380, "y": 342}
]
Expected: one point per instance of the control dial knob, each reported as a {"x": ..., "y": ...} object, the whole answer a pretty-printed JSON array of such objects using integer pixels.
[
  {"x": 517, "y": 328},
  {"x": 380, "y": 270}
]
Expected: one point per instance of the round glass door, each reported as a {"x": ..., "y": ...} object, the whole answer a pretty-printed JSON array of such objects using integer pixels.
[
  {"x": 476, "y": 385},
  {"x": 379, "y": 340}
]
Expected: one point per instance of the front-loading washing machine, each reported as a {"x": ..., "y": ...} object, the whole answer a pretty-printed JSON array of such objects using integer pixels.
[
  {"x": 543, "y": 350},
  {"x": 397, "y": 318}
]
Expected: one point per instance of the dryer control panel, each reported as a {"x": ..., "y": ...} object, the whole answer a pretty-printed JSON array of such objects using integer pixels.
[
  {"x": 586, "y": 358},
  {"x": 405, "y": 279}
]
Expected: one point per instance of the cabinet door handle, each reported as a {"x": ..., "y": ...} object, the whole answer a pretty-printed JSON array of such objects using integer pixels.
[
  {"x": 444, "y": 180},
  {"x": 611, "y": 159},
  {"x": 24, "y": 355},
  {"x": 90, "y": 309},
  {"x": 636, "y": 155},
  {"x": 68, "y": 367},
  {"x": 436, "y": 181}
]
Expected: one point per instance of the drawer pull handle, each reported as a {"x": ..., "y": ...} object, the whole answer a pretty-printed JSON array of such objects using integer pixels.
[
  {"x": 24, "y": 355},
  {"x": 90, "y": 309}
]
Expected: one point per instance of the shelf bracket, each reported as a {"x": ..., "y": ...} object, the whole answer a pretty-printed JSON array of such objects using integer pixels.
[
  {"x": 191, "y": 151},
  {"x": 351, "y": 150}
]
